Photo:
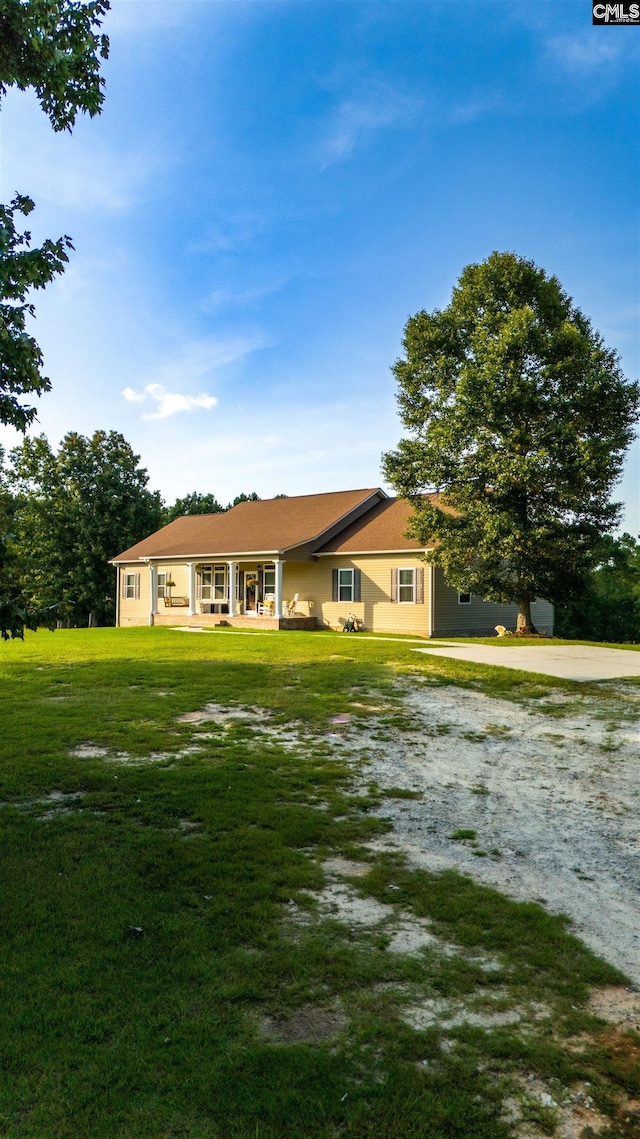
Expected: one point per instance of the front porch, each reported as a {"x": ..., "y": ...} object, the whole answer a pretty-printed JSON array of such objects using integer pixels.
[{"x": 242, "y": 593}]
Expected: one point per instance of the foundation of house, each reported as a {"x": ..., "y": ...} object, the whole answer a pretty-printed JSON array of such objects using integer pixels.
[{"x": 210, "y": 620}]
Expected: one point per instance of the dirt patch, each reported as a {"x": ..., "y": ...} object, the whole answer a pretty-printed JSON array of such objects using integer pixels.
[
  {"x": 444, "y": 1015},
  {"x": 220, "y": 714},
  {"x": 617, "y": 1005},
  {"x": 308, "y": 1025},
  {"x": 567, "y": 1114}
]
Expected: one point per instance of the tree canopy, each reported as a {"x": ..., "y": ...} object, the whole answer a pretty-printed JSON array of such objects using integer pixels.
[
  {"x": 609, "y": 609},
  {"x": 519, "y": 416},
  {"x": 194, "y": 503},
  {"x": 75, "y": 510}
]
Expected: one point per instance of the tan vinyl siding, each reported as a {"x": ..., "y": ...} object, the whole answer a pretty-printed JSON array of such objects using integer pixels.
[
  {"x": 313, "y": 582},
  {"x": 135, "y": 611},
  {"x": 480, "y": 617}
]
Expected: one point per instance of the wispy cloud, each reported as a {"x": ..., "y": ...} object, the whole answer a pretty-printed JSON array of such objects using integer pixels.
[
  {"x": 169, "y": 403},
  {"x": 585, "y": 50},
  {"x": 194, "y": 361},
  {"x": 357, "y": 119},
  {"x": 222, "y": 298},
  {"x": 139, "y": 17},
  {"x": 473, "y": 110},
  {"x": 231, "y": 233},
  {"x": 79, "y": 172}
]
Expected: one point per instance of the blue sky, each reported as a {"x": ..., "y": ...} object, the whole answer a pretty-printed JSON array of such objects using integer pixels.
[{"x": 274, "y": 188}]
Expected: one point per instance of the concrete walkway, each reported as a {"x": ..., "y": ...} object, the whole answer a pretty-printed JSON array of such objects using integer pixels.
[{"x": 570, "y": 662}]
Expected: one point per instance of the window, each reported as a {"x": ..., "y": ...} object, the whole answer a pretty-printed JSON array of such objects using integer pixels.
[
  {"x": 206, "y": 582},
  {"x": 406, "y": 586},
  {"x": 345, "y": 585},
  {"x": 269, "y": 579},
  {"x": 162, "y": 585},
  {"x": 131, "y": 586},
  {"x": 220, "y": 583},
  {"x": 464, "y": 599}
]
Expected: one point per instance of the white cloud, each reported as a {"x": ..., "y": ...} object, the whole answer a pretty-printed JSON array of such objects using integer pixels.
[
  {"x": 193, "y": 363},
  {"x": 169, "y": 403},
  {"x": 355, "y": 120}
]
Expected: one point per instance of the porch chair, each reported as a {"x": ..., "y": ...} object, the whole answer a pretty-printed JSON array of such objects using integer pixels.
[
  {"x": 290, "y": 606},
  {"x": 266, "y": 608}
]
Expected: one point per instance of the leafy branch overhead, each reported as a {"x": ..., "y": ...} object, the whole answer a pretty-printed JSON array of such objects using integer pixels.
[
  {"x": 55, "y": 46},
  {"x": 519, "y": 415},
  {"x": 22, "y": 269}
]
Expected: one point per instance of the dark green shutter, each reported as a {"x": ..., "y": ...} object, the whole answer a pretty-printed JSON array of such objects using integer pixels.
[
  {"x": 334, "y": 585},
  {"x": 357, "y": 576}
]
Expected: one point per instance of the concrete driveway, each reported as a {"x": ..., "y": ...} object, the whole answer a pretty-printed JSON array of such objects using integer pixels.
[{"x": 570, "y": 662}]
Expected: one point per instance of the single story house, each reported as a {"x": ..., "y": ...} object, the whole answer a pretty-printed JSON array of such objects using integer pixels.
[{"x": 301, "y": 562}]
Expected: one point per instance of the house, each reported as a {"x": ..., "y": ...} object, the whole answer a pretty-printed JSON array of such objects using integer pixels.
[{"x": 301, "y": 563}]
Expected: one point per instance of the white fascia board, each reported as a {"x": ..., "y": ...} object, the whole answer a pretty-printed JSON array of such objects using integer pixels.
[
  {"x": 363, "y": 553},
  {"x": 199, "y": 557}
]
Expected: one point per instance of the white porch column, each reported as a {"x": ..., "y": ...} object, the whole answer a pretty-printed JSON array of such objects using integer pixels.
[
  {"x": 232, "y": 588},
  {"x": 191, "y": 566},
  {"x": 153, "y": 592},
  {"x": 278, "y": 612},
  {"x": 118, "y": 588}
]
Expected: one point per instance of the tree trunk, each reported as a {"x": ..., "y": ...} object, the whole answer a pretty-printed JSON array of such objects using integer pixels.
[{"x": 524, "y": 624}]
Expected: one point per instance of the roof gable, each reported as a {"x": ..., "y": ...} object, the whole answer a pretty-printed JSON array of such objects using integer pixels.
[{"x": 382, "y": 529}]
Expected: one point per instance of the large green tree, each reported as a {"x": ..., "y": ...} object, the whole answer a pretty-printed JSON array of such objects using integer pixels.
[
  {"x": 519, "y": 417},
  {"x": 76, "y": 509}
]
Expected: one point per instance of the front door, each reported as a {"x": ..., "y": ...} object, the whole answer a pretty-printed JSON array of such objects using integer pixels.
[{"x": 251, "y": 591}]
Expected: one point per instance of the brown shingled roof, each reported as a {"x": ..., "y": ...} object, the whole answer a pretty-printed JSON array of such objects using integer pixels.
[
  {"x": 265, "y": 527},
  {"x": 380, "y": 529}
]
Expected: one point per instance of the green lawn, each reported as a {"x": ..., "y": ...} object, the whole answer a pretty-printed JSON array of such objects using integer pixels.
[{"x": 153, "y": 983}]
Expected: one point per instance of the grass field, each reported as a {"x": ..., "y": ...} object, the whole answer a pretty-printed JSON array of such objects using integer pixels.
[{"x": 166, "y": 968}]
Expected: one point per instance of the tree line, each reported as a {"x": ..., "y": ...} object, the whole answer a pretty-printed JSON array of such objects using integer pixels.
[{"x": 64, "y": 514}]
